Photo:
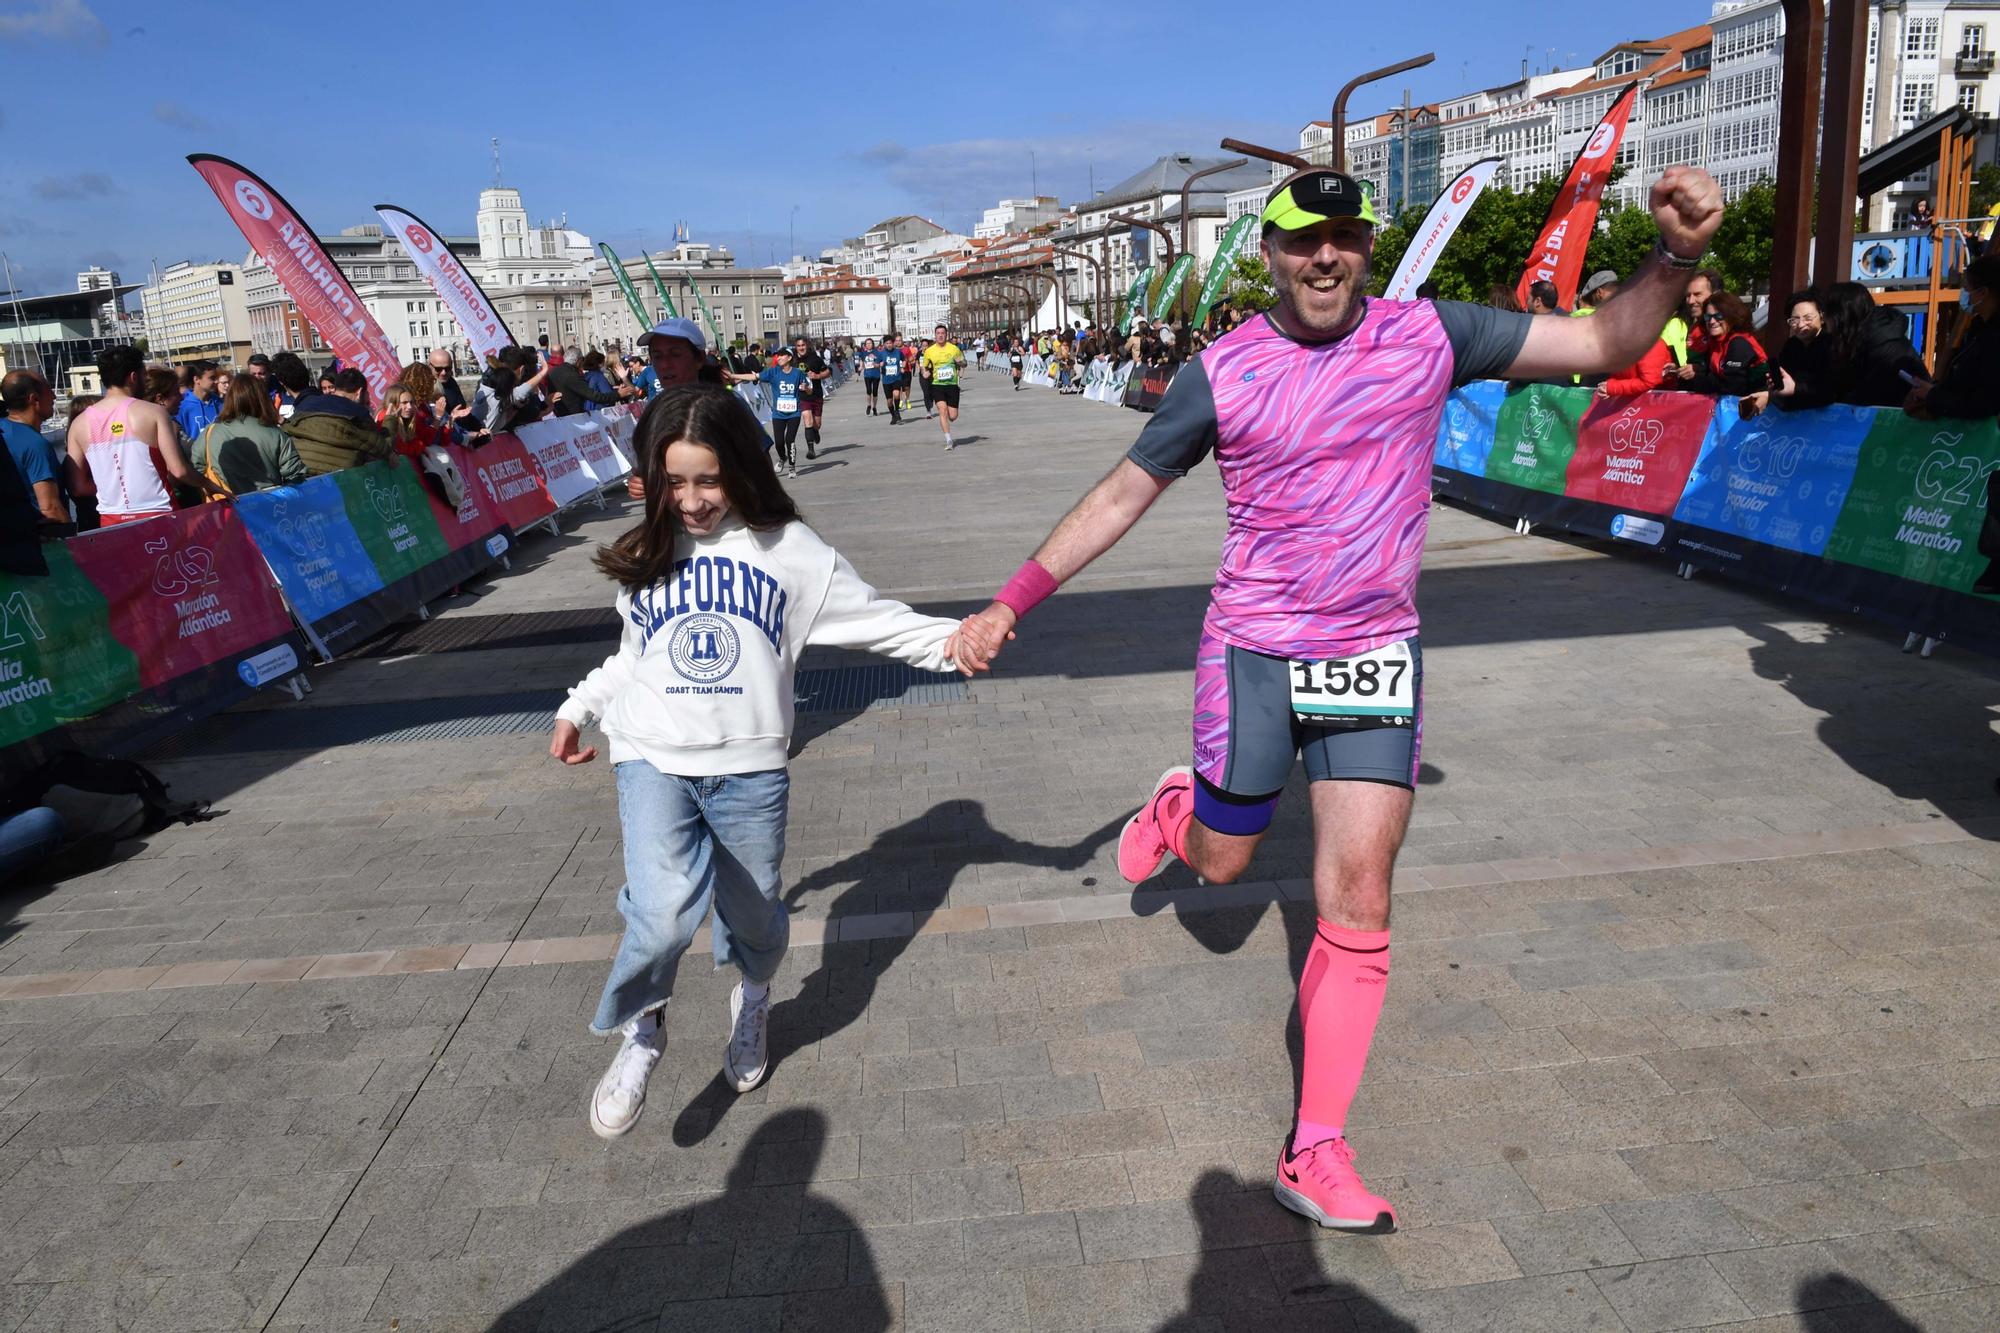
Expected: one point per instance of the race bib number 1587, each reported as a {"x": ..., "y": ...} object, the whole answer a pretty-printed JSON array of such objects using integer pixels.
[{"x": 1368, "y": 690}]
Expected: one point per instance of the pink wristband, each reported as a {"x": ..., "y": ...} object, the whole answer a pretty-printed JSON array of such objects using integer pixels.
[{"x": 1029, "y": 588}]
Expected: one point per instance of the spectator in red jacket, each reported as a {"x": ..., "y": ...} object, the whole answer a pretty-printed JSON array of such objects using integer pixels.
[{"x": 408, "y": 421}]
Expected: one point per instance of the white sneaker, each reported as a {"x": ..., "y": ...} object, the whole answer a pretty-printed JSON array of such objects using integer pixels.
[
  {"x": 746, "y": 1059},
  {"x": 621, "y": 1093}
]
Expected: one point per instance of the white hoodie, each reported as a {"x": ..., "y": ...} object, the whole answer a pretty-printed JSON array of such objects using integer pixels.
[{"x": 701, "y": 684}]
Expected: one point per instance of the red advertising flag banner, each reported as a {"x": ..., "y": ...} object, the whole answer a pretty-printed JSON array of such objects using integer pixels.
[
  {"x": 185, "y": 590},
  {"x": 315, "y": 284},
  {"x": 462, "y": 293},
  {"x": 1636, "y": 453},
  {"x": 509, "y": 476},
  {"x": 1558, "y": 253}
]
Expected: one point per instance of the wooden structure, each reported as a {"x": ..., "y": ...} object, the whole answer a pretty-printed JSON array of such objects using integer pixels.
[{"x": 1948, "y": 142}]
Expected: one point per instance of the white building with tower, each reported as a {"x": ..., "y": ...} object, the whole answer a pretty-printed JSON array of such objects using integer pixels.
[{"x": 1015, "y": 215}]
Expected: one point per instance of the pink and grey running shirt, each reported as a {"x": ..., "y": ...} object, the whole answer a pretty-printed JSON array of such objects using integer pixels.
[{"x": 1325, "y": 451}]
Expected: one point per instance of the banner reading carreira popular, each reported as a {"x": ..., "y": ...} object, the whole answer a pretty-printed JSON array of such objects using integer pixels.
[
  {"x": 1453, "y": 203},
  {"x": 476, "y": 317},
  {"x": 1558, "y": 253},
  {"x": 315, "y": 284}
]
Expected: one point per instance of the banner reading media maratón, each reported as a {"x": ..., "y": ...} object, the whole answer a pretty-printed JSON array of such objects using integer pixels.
[{"x": 314, "y": 282}]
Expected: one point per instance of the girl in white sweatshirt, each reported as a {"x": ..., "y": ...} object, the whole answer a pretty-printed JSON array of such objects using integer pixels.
[{"x": 720, "y": 588}]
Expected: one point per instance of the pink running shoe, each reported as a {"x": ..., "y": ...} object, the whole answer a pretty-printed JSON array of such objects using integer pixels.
[
  {"x": 1321, "y": 1183},
  {"x": 1142, "y": 847}
]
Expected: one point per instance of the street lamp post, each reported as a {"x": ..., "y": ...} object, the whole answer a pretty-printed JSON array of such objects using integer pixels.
[
  {"x": 1103, "y": 278},
  {"x": 1164, "y": 234},
  {"x": 1187, "y": 185},
  {"x": 1278, "y": 155},
  {"x": 1340, "y": 100}
]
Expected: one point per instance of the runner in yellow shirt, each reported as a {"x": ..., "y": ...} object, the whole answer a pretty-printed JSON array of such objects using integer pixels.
[{"x": 941, "y": 363}]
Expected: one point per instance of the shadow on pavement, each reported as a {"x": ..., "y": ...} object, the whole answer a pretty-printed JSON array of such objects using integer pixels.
[
  {"x": 920, "y": 860},
  {"x": 1837, "y": 1303},
  {"x": 766, "y": 1252},
  {"x": 1906, "y": 728},
  {"x": 1254, "y": 1271}
]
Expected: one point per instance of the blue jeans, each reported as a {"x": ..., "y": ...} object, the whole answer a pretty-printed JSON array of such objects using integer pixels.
[
  {"x": 27, "y": 837},
  {"x": 690, "y": 842}
]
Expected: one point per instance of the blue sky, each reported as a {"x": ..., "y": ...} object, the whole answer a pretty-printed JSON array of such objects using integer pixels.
[{"x": 627, "y": 122}]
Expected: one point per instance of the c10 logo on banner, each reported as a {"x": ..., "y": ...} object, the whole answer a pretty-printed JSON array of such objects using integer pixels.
[{"x": 1776, "y": 455}]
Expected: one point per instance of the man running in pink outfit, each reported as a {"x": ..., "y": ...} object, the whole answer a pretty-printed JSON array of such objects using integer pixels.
[{"x": 1322, "y": 417}]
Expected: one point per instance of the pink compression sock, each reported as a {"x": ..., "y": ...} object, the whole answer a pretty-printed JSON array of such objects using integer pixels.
[{"x": 1340, "y": 997}]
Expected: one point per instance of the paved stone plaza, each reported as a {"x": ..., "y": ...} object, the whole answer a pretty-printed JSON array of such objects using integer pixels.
[{"x": 1692, "y": 1024}]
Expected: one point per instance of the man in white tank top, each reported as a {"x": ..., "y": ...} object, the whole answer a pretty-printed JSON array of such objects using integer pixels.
[{"x": 126, "y": 451}]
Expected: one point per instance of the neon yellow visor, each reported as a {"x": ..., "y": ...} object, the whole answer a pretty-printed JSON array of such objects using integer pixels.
[{"x": 1314, "y": 195}]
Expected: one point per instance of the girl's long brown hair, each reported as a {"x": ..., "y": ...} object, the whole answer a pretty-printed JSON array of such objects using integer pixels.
[{"x": 718, "y": 421}]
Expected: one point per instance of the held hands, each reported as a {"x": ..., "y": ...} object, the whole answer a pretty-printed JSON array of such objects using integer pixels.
[
  {"x": 1687, "y": 204},
  {"x": 563, "y": 745},
  {"x": 979, "y": 638}
]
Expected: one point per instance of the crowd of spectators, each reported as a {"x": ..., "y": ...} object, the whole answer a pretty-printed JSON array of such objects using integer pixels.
[
  {"x": 1839, "y": 346},
  {"x": 1069, "y": 352}
]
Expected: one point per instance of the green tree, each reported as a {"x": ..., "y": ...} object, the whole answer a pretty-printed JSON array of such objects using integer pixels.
[
  {"x": 1985, "y": 189},
  {"x": 1623, "y": 239},
  {"x": 1251, "y": 287},
  {"x": 1741, "y": 250}
]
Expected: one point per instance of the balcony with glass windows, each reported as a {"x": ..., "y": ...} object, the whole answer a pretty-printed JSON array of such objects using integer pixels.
[{"x": 1972, "y": 64}]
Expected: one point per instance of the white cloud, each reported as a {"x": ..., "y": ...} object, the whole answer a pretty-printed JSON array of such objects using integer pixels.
[
  {"x": 55, "y": 21},
  {"x": 84, "y": 185},
  {"x": 179, "y": 117},
  {"x": 951, "y": 182}
]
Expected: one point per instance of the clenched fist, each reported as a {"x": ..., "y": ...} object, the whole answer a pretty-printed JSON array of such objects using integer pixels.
[{"x": 1687, "y": 205}]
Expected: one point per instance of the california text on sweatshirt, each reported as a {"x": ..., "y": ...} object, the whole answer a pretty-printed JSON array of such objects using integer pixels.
[{"x": 701, "y": 684}]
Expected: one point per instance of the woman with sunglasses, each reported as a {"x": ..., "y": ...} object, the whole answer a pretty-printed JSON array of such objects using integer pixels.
[
  {"x": 1802, "y": 361},
  {"x": 1736, "y": 364}
]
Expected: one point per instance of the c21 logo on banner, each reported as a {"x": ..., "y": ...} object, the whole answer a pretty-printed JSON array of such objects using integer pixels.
[
  {"x": 704, "y": 648},
  {"x": 253, "y": 201},
  {"x": 419, "y": 238},
  {"x": 1462, "y": 189},
  {"x": 1600, "y": 142}
]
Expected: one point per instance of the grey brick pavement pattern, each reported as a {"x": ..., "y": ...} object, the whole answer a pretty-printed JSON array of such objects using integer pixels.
[{"x": 1744, "y": 1095}]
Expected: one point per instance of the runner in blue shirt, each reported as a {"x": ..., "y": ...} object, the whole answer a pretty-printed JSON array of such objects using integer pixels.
[
  {"x": 871, "y": 372},
  {"x": 892, "y": 380},
  {"x": 785, "y": 383}
]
